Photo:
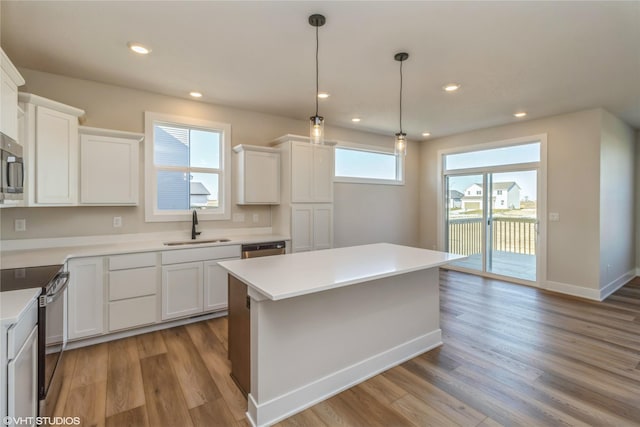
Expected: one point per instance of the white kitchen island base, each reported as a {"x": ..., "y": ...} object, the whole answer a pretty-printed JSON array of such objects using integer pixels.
[{"x": 314, "y": 344}]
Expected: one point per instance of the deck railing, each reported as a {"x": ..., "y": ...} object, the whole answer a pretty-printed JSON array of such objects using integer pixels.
[{"x": 516, "y": 235}]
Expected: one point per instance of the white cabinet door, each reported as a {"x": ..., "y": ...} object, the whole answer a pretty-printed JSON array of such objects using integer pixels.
[
  {"x": 261, "y": 177},
  {"x": 323, "y": 174},
  {"x": 301, "y": 228},
  {"x": 22, "y": 379},
  {"x": 216, "y": 295},
  {"x": 182, "y": 290},
  {"x": 301, "y": 172},
  {"x": 108, "y": 170},
  {"x": 323, "y": 226},
  {"x": 56, "y": 155},
  {"x": 86, "y": 297},
  {"x": 8, "y": 106}
]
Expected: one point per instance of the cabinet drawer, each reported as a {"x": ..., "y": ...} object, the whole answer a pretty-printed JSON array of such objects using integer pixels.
[
  {"x": 19, "y": 332},
  {"x": 121, "y": 262},
  {"x": 132, "y": 283},
  {"x": 200, "y": 254},
  {"x": 132, "y": 312}
]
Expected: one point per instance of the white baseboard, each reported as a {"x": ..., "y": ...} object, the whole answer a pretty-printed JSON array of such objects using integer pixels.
[
  {"x": 286, "y": 405},
  {"x": 637, "y": 271},
  {"x": 616, "y": 284},
  {"x": 83, "y": 342},
  {"x": 578, "y": 291}
]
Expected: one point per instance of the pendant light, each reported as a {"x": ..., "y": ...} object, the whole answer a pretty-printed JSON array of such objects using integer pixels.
[
  {"x": 401, "y": 137},
  {"x": 316, "y": 124}
]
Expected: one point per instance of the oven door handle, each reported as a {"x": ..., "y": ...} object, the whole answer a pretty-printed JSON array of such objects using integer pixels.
[{"x": 62, "y": 281}]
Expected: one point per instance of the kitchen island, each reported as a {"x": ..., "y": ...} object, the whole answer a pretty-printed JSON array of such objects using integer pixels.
[{"x": 323, "y": 321}]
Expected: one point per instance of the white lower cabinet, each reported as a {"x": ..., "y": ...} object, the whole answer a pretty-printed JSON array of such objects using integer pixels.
[
  {"x": 133, "y": 286},
  {"x": 127, "y": 291},
  {"x": 182, "y": 290},
  {"x": 86, "y": 297},
  {"x": 22, "y": 379},
  {"x": 216, "y": 291}
]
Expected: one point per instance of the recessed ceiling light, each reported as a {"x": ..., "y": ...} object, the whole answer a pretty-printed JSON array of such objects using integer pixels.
[
  {"x": 451, "y": 87},
  {"x": 355, "y": 119},
  {"x": 323, "y": 95},
  {"x": 520, "y": 114},
  {"x": 426, "y": 134},
  {"x": 195, "y": 94},
  {"x": 138, "y": 48}
]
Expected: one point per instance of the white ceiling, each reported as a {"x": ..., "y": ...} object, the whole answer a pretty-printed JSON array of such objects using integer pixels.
[{"x": 542, "y": 57}]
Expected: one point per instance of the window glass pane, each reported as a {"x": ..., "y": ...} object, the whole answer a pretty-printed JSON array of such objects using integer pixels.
[
  {"x": 352, "y": 163},
  {"x": 171, "y": 145},
  {"x": 514, "y": 154},
  {"x": 173, "y": 190},
  {"x": 205, "y": 149},
  {"x": 204, "y": 190}
]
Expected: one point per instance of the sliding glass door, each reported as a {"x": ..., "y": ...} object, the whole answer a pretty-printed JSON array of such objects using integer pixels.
[{"x": 491, "y": 211}]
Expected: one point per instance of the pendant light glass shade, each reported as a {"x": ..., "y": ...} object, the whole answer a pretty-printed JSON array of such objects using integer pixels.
[
  {"x": 316, "y": 130},
  {"x": 400, "y": 146},
  {"x": 316, "y": 124}
]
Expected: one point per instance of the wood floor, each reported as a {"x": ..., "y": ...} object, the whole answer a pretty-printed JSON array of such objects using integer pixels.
[{"x": 512, "y": 356}]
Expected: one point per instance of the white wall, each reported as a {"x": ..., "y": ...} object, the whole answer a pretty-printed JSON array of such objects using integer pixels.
[
  {"x": 617, "y": 203},
  {"x": 573, "y": 161},
  {"x": 115, "y": 107}
]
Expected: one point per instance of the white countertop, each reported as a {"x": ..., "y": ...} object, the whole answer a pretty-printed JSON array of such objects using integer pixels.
[
  {"x": 50, "y": 255},
  {"x": 14, "y": 303},
  {"x": 291, "y": 275}
]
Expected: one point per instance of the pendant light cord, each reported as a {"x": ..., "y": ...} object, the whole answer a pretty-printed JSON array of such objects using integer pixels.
[
  {"x": 317, "y": 70},
  {"x": 401, "y": 96}
]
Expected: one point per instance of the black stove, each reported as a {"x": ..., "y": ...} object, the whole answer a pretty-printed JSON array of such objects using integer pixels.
[{"x": 29, "y": 277}]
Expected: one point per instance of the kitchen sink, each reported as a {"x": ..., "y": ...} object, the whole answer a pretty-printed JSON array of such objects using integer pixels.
[{"x": 196, "y": 242}]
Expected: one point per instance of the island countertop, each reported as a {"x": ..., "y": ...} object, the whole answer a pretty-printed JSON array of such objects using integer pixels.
[{"x": 292, "y": 275}]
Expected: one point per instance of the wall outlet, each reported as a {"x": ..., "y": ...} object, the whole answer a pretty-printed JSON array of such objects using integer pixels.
[
  {"x": 554, "y": 216},
  {"x": 20, "y": 225},
  {"x": 256, "y": 217},
  {"x": 238, "y": 217},
  {"x": 117, "y": 221}
]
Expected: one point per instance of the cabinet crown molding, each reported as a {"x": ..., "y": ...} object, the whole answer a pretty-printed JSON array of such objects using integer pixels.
[
  {"x": 87, "y": 130},
  {"x": 243, "y": 147},
  {"x": 30, "y": 98},
  {"x": 297, "y": 138},
  {"x": 10, "y": 69}
]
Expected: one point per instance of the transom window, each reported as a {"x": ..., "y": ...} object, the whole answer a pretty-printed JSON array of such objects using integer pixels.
[
  {"x": 357, "y": 163},
  {"x": 186, "y": 168}
]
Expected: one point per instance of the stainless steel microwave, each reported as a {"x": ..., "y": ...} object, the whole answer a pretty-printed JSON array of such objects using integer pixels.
[{"x": 12, "y": 169}]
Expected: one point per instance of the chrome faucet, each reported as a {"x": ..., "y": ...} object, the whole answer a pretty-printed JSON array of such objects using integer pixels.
[{"x": 194, "y": 222}]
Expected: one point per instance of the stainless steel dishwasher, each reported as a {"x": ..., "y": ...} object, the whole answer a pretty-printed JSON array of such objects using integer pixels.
[{"x": 239, "y": 321}]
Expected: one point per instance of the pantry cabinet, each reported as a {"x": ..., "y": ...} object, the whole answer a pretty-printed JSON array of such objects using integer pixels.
[
  {"x": 109, "y": 166},
  {"x": 306, "y": 209},
  {"x": 50, "y": 151}
]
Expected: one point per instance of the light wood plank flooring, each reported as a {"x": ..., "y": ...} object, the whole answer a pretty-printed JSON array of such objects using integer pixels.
[{"x": 512, "y": 355}]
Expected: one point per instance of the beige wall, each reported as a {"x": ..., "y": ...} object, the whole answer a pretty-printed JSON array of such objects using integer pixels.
[
  {"x": 617, "y": 200},
  {"x": 637, "y": 195},
  {"x": 573, "y": 162},
  {"x": 120, "y": 108}
]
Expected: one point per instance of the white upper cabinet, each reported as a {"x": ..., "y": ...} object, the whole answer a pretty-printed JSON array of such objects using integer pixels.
[
  {"x": 10, "y": 79},
  {"x": 257, "y": 175},
  {"x": 311, "y": 173},
  {"x": 51, "y": 151},
  {"x": 307, "y": 169},
  {"x": 109, "y": 167}
]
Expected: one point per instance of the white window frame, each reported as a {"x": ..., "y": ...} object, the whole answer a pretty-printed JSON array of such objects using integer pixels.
[
  {"x": 541, "y": 166},
  {"x": 372, "y": 149},
  {"x": 152, "y": 213}
]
